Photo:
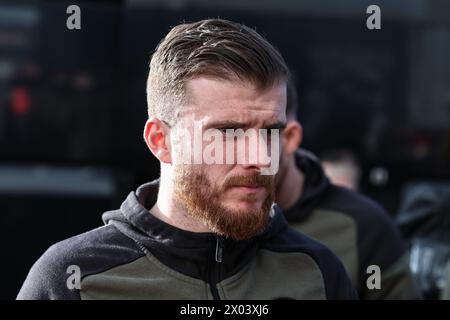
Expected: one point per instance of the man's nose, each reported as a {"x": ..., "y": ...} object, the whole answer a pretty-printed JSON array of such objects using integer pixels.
[{"x": 253, "y": 153}]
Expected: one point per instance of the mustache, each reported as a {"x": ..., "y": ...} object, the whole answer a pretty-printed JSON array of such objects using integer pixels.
[{"x": 255, "y": 180}]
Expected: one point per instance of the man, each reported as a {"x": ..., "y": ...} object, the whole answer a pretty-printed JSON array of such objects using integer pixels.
[
  {"x": 203, "y": 231},
  {"x": 355, "y": 228}
]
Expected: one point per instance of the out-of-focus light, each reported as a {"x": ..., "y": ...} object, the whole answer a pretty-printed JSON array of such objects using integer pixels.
[
  {"x": 20, "y": 101},
  {"x": 379, "y": 176}
]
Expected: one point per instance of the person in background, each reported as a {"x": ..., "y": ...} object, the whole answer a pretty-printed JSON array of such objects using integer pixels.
[{"x": 355, "y": 228}]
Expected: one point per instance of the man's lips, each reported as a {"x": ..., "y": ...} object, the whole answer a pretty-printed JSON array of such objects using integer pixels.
[{"x": 249, "y": 188}]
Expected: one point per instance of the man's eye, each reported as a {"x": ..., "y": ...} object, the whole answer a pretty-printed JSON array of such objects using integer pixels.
[{"x": 228, "y": 134}]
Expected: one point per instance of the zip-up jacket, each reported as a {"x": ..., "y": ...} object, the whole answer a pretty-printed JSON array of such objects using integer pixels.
[{"x": 137, "y": 256}]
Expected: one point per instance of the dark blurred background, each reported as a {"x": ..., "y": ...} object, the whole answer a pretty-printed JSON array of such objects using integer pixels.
[{"x": 73, "y": 105}]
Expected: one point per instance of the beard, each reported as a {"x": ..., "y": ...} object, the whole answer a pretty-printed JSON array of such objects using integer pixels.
[{"x": 202, "y": 201}]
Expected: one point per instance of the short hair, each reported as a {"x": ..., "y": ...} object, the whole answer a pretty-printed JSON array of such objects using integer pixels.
[{"x": 216, "y": 48}]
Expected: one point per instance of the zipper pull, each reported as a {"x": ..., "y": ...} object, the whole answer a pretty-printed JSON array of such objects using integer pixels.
[{"x": 218, "y": 251}]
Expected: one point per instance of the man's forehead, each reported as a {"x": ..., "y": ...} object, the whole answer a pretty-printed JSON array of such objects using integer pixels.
[{"x": 236, "y": 100}]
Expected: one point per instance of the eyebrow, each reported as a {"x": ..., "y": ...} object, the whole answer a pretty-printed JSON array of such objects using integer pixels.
[
  {"x": 277, "y": 125},
  {"x": 226, "y": 124},
  {"x": 230, "y": 124}
]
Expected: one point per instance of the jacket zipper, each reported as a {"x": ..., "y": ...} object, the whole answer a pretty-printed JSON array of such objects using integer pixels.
[{"x": 214, "y": 271}]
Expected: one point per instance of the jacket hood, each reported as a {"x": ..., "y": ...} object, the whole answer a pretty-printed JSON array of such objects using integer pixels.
[{"x": 316, "y": 185}]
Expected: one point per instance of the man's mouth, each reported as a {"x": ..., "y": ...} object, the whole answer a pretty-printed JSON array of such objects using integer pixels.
[{"x": 249, "y": 188}]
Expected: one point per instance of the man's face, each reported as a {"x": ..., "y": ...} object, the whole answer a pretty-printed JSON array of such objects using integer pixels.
[{"x": 233, "y": 199}]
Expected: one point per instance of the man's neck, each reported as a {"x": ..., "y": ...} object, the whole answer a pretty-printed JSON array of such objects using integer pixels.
[
  {"x": 167, "y": 209},
  {"x": 291, "y": 186}
]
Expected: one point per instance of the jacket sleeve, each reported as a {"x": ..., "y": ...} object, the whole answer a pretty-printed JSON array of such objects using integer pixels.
[
  {"x": 383, "y": 246},
  {"x": 338, "y": 285},
  {"x": 49, "y": 279}
]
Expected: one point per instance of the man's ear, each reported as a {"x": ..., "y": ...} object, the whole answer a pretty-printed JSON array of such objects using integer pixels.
[
  {"x": 155, "y": 136},
  {"x": 292, "y": 137}
]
